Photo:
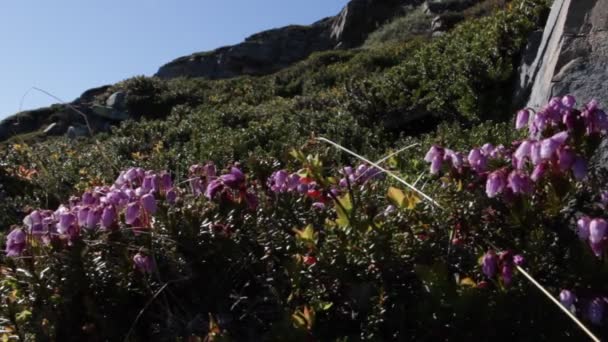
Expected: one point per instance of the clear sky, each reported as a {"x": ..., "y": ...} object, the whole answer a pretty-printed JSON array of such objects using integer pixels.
[{"x": 69, "y": 46}]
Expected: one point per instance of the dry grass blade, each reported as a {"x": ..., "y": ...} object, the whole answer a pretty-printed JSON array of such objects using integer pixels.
[{"x": 400, "y": 180}]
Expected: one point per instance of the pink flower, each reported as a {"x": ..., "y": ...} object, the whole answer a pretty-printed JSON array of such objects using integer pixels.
[
  {"x": 143, "y": 263},
  {"x": 15, "y": 242},
  {"x": 519, "y": 182},
  {"x": 477, "y": 160},
  {"x": 489, "y": 264},
  {"x": 496, "y": 183},
  {"x": 568, "y": 101},
  {"x": 148, "y": 202},
  {"x": 582, "y": 227},
  {"x": 523, "y": 116},
  {"x": 538, "y": 172}
]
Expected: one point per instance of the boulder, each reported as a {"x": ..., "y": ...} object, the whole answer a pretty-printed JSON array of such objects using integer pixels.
[
  {"x": 109, "y": 113},
  {"x": 76, "y": 131},
  {"x": 117, "y": 100},
  {"x": 571, "y": 57}
]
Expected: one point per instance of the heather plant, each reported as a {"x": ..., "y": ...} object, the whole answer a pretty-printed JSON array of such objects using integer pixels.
[{"x": 315, "y": 250}]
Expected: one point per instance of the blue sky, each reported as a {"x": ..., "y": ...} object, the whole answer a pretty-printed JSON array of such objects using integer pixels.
[{"x": 69, "y": 46}]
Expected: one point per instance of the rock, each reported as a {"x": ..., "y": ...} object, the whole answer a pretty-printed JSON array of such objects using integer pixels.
[
  {"x": 77, "y": 131},
  {"x": 117, "y": 100},
  {"x": 91, "y": 95},
  {"x": 572, "y": 56},
  {"x": 272, "y": 50},
  {"x": 109, "y": 113}
]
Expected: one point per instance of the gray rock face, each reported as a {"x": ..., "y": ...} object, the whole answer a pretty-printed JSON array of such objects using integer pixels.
[
  {"x": 272, "y": 50},
  {"x": 117, "y": 100},
  {"x": 571, "y": 57}
]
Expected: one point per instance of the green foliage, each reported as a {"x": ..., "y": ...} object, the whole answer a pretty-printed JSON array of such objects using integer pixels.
[
  {"x": 288, "y": 270},
  {"x": 414, "y": 23}
]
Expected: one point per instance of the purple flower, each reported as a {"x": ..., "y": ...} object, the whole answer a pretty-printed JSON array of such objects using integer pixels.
[
  {"x": 522, "y": 152},
  {"x": 278, "y": 181},
  {"x": 538, "y": 172},
  {"x": 487, "y": 149},
  {"x": 93, "y": 218},
  {"x": 477, "y": 160},
  {"x": 548, "y": 147},
  {"x": 519, "y": 260},
  {"x": 569, "y": 119},
  {"x": 148, "y": 202},
  {"x": 66, "y": 221},
  {"x": 592, "y": 105},
  {"x": 436, "y": 165},
  {"x": 523, "y": 116},
  {"x": 88, "y": 199},
  {"x": 15, "y": 242},
  {"x": 565, "y": 157},
  {"x": 519, "y": 182},
  {"x": 433, "y": 152},
  {"x": 166, "y": 183},
  {"x": 83, "y": 214},
  {"x": 143, "y": 263},
  {"x": 579, "y": 168},
  {"x": 210, "y": 170},
  {"x": 133, "y": 212},
  {"x": 213, "y": 188},
  {"x": 303, "y": 188},
  {"x": 582, "y": 228},
  {"x": 108, "y": 217},
  {"x": 595, "y": 311},
  {"x": 496, "y": 183},
  {"x": 234, "y": 178},
  {"x": 597, "y": 230},
  {"x": 489, "y": 264},
  {"x": 171, "y": 196},
  {"x": 507, "y": 273},
  {"x": 568, "y": 101},
  {"x": 567, "y": 299},
  {"x": 319, "y": 205}
]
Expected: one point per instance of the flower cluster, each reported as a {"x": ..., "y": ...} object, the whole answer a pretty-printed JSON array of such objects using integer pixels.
[
  {"x": 359, "y": 175},
  {"x": 131, "y": 201},
  {"x": 501, "y": 264},
  {"x": 551, "y": 147},
  {"x": 231, "y": 186},
  {"x": 593, "y": 308},
  {"x": 133, "y": 196},
  {"x": 283, "y": 182}
]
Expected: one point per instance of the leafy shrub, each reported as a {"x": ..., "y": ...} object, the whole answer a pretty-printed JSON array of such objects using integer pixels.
[
  {"x": 412, "y": 24},
  {"x": 321, "y": 253}
]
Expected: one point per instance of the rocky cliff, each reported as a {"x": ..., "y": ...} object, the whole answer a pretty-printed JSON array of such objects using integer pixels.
[
  {"x": 570, "y": 56},
  {"x": 272, "y": 50},
  {"x": 260, "y": 54}
]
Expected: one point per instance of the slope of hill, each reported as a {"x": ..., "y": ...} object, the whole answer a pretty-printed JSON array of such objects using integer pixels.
[{"x": 215, "y": 213}]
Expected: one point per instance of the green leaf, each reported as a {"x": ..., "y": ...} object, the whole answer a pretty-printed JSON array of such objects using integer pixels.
[{"x": 23, "y": 315}]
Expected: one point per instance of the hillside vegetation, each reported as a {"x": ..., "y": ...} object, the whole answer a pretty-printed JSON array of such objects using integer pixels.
[{"x": 218, "y": 214}]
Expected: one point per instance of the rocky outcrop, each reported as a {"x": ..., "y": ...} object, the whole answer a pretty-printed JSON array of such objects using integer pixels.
[
  {"x": 571, "y": 57},
  {"x": 272, "y": 50},
  {"x": 59, "y": 118}
]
